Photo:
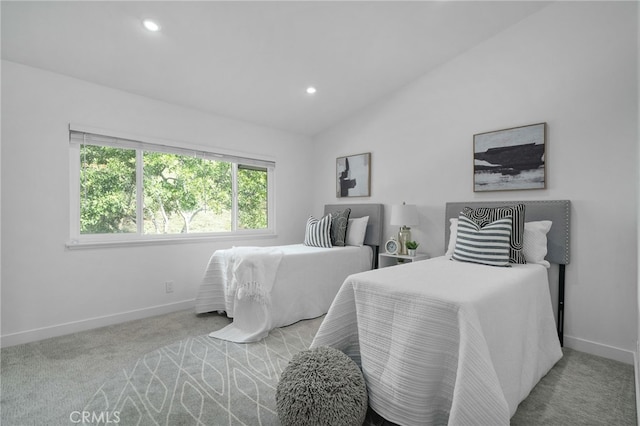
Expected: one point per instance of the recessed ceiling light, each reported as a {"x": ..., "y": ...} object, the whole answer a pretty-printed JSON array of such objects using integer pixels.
[
  {"x": 151, "y": 25},
  {"x": 311, "y": 90}
]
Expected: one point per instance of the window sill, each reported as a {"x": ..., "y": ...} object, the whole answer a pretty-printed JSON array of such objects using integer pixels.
[{"x": 155, "y": 241}]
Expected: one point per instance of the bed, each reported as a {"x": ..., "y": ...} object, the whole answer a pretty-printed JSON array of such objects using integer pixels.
[
  {"x": 262, "y": 288},
  {"x": 442, "y": 341}
]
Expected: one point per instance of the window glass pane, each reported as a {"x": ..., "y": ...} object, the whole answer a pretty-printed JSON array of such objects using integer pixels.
[
  {"x": 107, "y": 190},
  {"x": 185, "y": 194},
  {"x": 252, "y": 198}
]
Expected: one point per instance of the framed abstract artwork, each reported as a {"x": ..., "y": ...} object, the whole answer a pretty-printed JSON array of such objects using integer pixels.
[
  {"x": 353, "y": 176},
  {"x": 510, "y": 159}
]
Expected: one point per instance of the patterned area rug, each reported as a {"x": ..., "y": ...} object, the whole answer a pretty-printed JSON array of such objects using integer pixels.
[{"x": 203, "y": 381}]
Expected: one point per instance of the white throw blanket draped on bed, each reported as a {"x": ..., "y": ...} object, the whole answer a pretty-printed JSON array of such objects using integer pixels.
[
  {"x": 446, "y": 342},
  {"x": 267, "y": 287},
  {"x": 252, "y": 272}
]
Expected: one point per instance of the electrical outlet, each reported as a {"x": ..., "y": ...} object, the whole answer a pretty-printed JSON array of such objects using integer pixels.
[{"x": 168, "y": 286}]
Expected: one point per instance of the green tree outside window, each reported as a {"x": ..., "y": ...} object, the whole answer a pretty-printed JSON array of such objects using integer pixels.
[{"x": 181, "y": 194}]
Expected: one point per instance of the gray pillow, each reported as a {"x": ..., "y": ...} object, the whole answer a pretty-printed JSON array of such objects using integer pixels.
[{"x": 339, "y": 222}]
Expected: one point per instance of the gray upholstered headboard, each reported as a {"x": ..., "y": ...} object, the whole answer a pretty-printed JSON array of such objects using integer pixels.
[
  {"x": 375, "y": 212},
  {"x": 557, "y": 211}
]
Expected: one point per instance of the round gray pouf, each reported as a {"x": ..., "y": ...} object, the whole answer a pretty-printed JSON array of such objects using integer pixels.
[{"x": 321, "y": 386}]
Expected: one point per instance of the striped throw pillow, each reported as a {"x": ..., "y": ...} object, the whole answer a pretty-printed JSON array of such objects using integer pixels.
[
  {"x": 318, "y": 232},
  {"x": 484, "y": 215},
  {"x": 488, "y": 245}
]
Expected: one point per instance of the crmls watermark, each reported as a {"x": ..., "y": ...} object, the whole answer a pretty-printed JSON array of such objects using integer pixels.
[{"x": 93, "y": 417}]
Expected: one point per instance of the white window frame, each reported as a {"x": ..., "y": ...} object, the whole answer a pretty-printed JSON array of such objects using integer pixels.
[{"x": 78, "y": 240}]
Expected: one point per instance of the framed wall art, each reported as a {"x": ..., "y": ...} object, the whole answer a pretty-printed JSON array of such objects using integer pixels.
[
  {"x": 353, "y": 176},
  {"x": 510, "y": 159}
]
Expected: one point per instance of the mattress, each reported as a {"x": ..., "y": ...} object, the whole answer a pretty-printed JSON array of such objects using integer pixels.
[
  {"x": 297, "y": 282},
  {"x": 446, "y": 342}
]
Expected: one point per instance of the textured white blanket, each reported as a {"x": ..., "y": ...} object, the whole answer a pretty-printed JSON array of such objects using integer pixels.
[{"x": 445, "y": 342}]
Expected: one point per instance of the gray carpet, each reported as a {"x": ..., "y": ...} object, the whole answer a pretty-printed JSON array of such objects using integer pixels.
[
  {"x": 581, "y": 389},
  {"x": 164, "y": 370},
  {"x": 202, "y": 380},
  {"x": 58, "y": 376}
]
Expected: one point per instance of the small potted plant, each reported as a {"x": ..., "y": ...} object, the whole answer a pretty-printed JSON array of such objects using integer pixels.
[{"x": 411, "y": 247}]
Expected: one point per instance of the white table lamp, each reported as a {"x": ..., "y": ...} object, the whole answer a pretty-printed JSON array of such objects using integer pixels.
[{"x": 404, "y": 215}]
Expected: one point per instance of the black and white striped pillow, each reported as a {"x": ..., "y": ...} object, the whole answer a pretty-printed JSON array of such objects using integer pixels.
[
  {"x": 488, "y": 245},
  {"x": 318, "y": 232},
  {"x": 484, "y": 215}
]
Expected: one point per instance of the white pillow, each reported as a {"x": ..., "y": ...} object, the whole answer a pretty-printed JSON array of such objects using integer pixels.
[
  {"x": 356, "y": 230},
  {"x": 535, "y": 242},
  {"x": 453, "y": 228}
]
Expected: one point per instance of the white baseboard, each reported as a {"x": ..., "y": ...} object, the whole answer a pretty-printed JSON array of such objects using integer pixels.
[
  {"x": 91, "y": 323},
  {"x": 599, "y": 349},
  {"x": 636, "y": 366}
]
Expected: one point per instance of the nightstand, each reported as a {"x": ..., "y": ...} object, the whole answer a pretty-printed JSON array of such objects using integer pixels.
[{"x": 386, "y": 259}]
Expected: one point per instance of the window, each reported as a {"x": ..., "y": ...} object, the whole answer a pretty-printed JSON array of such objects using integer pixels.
[{"x": 123, "y": 190}]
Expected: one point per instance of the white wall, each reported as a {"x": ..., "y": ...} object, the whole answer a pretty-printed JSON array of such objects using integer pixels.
[
  {"x": 637, "y": 353},
  {"x": 49, "y": 290},
  {"x": 572, "y": 65}
]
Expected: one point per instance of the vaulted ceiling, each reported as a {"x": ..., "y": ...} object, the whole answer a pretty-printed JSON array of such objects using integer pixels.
[{"x": 253, "y": 60}]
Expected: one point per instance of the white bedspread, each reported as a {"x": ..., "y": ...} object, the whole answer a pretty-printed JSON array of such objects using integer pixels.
[
  {"x": 445, "y": 342},
  {"x": 262, "y": 288}
]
